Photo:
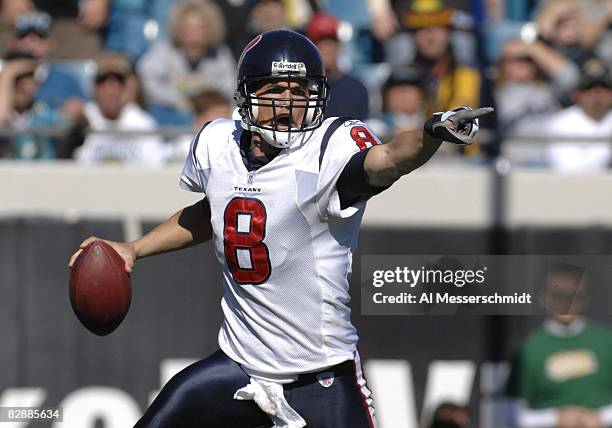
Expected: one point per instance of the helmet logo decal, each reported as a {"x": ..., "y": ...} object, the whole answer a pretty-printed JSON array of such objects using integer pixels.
[
  {"x": 250, "y": 46},
  {"x": 279, "y": 67}
]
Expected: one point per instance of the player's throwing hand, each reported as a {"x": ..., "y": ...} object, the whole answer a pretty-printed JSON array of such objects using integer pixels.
[{"x": 125, "y": 250}]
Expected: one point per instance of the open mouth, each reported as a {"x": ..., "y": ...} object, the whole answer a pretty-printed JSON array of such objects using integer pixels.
[{"x": 283, "y": 121}]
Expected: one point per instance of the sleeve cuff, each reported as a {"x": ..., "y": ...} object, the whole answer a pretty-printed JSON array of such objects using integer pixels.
[{"x": 188, "y": 184}]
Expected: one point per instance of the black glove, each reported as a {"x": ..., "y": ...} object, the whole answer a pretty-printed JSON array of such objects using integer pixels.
[{"x": 458, "y": 126}]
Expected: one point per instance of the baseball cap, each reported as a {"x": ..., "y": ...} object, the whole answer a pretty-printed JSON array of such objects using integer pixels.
[
  {"x": 594, "y": 71},
  {"x": 37, "y": 22},
  {"x": 113, "y": 63},
  {"x": 321, "y": 26},
  {"x": 252, "y": 3},
  {"x": 428, "y": 13}
]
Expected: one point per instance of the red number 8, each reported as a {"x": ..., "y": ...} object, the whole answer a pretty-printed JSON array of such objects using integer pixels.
[
  {"x": 247, "y": 256},
  {"x": 362, "y": 137}
]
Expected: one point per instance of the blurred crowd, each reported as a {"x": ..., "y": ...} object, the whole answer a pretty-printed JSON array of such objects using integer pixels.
[{"x": 128, "y": 80}]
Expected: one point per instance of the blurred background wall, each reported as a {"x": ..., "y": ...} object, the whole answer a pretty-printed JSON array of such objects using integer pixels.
[{"x": 442, "y": 209}]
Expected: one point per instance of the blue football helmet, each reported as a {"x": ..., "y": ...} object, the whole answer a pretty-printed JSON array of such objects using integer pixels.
[{"x": 283, "y": 55}]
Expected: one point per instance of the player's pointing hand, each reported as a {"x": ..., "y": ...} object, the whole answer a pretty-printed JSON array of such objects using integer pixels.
[{"x": 458, "y": 126}]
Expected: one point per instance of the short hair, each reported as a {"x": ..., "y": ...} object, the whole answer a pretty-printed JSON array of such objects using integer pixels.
[
  {"x": 206, "y": 99},
  {"x": 405, "y": 76},
  {"x": 210, "y": 13},
  {"x": 568, "y": 270}
]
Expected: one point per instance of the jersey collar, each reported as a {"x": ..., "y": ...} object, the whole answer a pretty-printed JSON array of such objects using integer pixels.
[{"x": 555, "y": 328}]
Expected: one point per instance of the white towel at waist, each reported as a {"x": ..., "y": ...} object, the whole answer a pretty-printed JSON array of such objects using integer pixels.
[{"x": 270, "y": 398}]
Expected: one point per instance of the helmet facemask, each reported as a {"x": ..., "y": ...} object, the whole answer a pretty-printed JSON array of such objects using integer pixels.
[{"x": 287, "y": 124}]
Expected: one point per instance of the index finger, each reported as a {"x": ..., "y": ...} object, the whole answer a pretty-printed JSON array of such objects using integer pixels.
[{"x": 466, "y": 115}]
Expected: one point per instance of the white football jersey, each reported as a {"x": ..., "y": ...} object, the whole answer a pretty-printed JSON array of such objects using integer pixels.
[{"x": 284, "y": 244}]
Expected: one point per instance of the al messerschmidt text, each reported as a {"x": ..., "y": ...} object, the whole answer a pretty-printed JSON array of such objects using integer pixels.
[{"x": 441, "y": 298}]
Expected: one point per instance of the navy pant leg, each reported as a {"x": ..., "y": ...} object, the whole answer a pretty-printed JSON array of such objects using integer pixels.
[{"x": 202, "y": 395}]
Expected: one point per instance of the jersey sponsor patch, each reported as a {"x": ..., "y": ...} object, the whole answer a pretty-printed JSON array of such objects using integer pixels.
[
  {"x": 288, "y": 67},
  {"x": 574, "y": 364},
  {"x": 326, "y": 379}
]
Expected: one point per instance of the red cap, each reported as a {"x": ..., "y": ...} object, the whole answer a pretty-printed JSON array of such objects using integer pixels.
[{"x": 322, "y": 25}]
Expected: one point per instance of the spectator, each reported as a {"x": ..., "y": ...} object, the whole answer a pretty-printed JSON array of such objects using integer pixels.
[
  {"x": 208, "y": 105},
  {"x": 76, "y": 23},
  {"x": 348, "y": 96},
  {"x": 157, "y": 11},
  {"x": 32, "y": 36},
  {"x": 389, "y": 16},
  {"x": 195, "y": 57},
  {"x": 23, "y": 115},
  {"x": 266, "y": 15},
  {"x": 561, "y": 23},
  {"x": 384, "y": 20},
  {"x": 598, "y": 33},
  {"x": 560, "y": 376},
  {"x": 261, "y": 16},
  {"x": 111, "y": 111},
  {"x": 532, "y": 77},
  {"x": 405, "y": 102},
  {"x": 451, "y": 84},
  {"x": 450, "y": 415},
  {"x": 589, "y": 118}
]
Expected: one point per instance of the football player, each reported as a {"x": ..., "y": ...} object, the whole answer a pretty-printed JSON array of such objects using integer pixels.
[{"x": 285, "y": 191}]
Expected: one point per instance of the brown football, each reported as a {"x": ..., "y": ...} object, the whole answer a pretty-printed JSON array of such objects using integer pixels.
[{"x": 100, "y": 288}]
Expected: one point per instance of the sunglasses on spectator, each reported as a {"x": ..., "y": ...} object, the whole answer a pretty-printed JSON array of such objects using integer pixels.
[
  {"x": 33, "y": 22},
  {"x": 517, "y": 58},
  {"x": 106, "y": 76},
  {"x": 43, "y": 34}
]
